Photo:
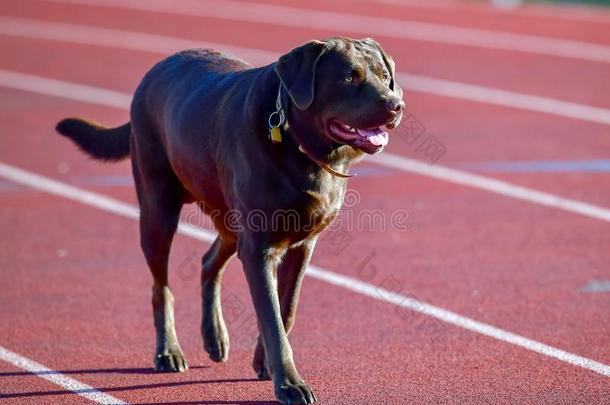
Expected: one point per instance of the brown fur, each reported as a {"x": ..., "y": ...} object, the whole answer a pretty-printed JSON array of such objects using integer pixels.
[{"x": 199, "y": 132}]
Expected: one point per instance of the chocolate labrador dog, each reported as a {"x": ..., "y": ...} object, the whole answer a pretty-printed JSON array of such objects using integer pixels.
[{"x": 276, "y": 141}]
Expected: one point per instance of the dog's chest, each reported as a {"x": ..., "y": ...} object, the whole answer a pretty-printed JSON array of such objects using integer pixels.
[
  {"x": 324, "y": 208},
  {"x": 314, "y": 210}
]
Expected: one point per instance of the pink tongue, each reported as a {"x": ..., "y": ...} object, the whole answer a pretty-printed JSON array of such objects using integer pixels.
[{"x": 375, "y": 136}]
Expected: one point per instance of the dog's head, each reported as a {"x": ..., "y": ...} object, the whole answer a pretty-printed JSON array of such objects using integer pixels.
[{"x": 344, "y": 91}]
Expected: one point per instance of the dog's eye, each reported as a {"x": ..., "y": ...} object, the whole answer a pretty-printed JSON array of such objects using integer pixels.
[
  {"x": 349, "y": 78},
  {"x": 386, "y": 77}
]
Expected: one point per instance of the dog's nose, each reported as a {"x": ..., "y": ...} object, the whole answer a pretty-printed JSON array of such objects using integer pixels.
[{"x": 395, "y": 104}]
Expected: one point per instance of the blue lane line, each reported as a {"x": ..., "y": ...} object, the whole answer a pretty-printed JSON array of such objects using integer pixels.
[
  {"x": 367, "y": 171},
  {"x": 103, "y": 181},
  {"x": 541, "y": 166},
  {"x": 8, "y": 186}
]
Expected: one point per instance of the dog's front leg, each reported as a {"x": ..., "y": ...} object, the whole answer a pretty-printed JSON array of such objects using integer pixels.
[
  {"x": 289, "y": 278},
  {"x": 260, "y": 262}
]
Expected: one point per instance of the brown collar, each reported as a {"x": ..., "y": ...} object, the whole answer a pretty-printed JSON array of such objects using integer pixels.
[{"x": 326, "y": 166}]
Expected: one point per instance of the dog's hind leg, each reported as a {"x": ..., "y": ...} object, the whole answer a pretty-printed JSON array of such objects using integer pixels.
[
  {"x": 158, "y": 222},
  {"x": 160, "y": 197},
  {"x": 289, "y": 278},
  {"x": 213, "y": 328}
]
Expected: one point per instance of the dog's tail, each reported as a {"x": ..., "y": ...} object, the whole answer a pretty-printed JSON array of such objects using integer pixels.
[{"x": 99, "y": 142}]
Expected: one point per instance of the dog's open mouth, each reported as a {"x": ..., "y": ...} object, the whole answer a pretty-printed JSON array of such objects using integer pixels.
[{"x": 369, "y": 140}]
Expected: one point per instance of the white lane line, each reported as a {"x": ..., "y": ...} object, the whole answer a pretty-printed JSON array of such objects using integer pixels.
[
  {"x": 120, "y": 39},
  {"x": 120, "y": 208},
  {"x": 573, "y": 13},
  {"x": 63, "y": 381},
  {"x": 90, "y": 198},
  {"x": 455, "y": 319},
  {"x": 164, "y": 45},
  {"x": 60, "y": 88},
  {"x": 504, "y": 98},
  {"x": 42, "y": 85},
  {"x": 492, "y": 185},
  {"x": 364, "y": 25}
]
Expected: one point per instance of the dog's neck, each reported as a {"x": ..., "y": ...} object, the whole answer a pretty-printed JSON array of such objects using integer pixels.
[
  {"x": 330, "y": 157},
  {"x": 278, "y": 124}
]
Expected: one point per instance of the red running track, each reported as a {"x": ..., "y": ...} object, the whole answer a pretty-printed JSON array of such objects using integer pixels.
[{"x": 74, "y": 290}]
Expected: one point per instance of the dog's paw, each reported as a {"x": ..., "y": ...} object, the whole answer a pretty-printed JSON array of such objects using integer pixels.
[
  {"x": 171, "y": 362},
  {"x": 216, "y": 341},
  {"x": 218, "y": 349},
  {"x": 259, "y": 363},
  {"x": 261, "y": 370},
  {"x": 295, "y": 394}
]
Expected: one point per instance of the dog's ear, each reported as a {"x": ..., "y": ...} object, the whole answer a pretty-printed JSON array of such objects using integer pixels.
[
  {"x": 297, "y": 72},
  {"x": 389, "y": 64}
]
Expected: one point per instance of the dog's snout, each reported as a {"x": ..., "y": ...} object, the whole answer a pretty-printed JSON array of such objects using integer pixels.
[{"x": 395, "y": 104}]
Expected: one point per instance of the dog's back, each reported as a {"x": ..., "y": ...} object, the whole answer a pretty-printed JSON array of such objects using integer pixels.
[{"x": 167, "y": 78}]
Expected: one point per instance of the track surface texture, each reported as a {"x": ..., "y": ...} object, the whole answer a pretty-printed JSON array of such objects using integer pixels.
[{"x": 483, "y": 296}]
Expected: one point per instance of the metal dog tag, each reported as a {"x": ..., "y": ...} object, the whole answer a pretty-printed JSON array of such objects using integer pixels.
[{"x": 275, "y": 134}]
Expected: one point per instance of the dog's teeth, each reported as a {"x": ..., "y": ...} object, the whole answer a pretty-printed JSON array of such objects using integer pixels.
[{"x": 348, "y": 128}]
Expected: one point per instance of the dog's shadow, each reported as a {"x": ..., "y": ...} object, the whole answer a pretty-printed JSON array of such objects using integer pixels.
[{"x": 143, "y": 371}]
